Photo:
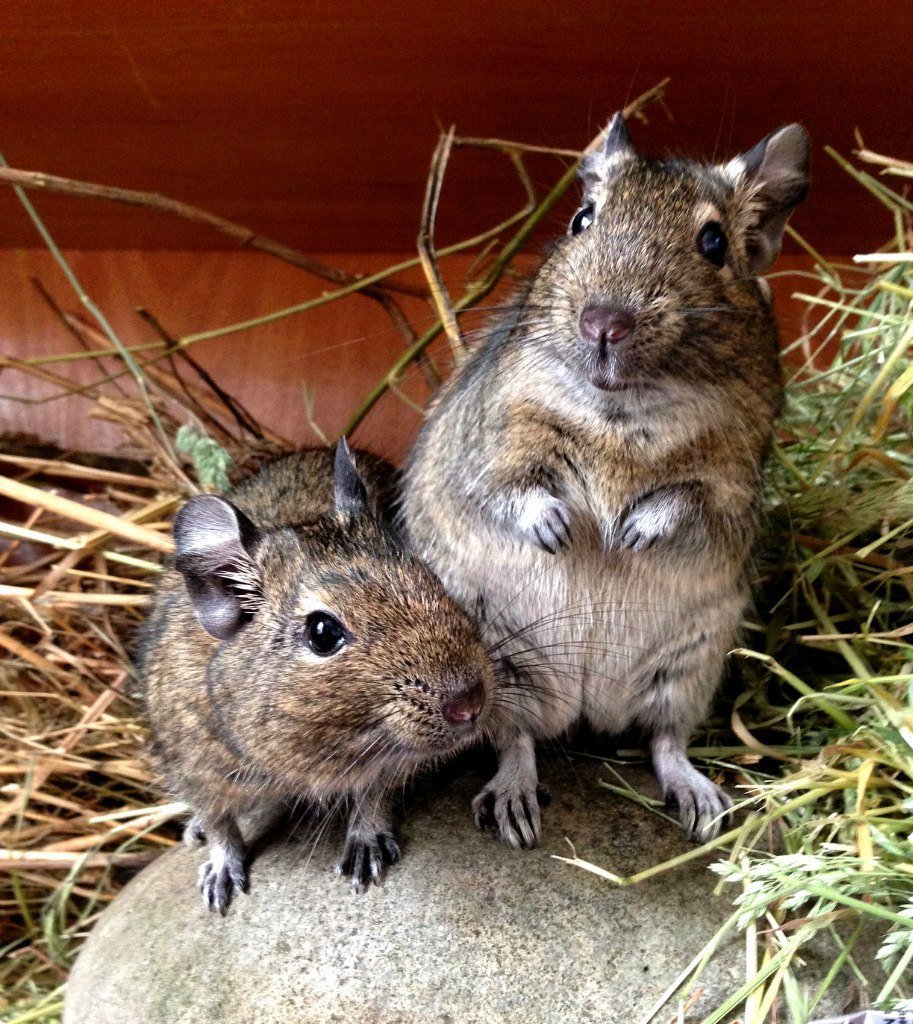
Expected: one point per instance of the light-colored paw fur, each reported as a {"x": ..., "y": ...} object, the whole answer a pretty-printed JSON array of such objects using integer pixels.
[
  {"x": 702, "y": 805},
  {"x": 653, "y": 518},
  {"x": 511, "y": 799},
  {"x": 540, "y": 519}
]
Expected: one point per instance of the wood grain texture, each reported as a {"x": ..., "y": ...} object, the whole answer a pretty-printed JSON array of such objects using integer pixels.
[
  {"x": 337, "y": 351},
  {"x": 314, "y": 123}
]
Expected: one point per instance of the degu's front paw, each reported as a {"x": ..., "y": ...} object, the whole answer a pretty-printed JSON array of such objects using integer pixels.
[
  {"x": 365, "y": 859},
  {"x": 219, "y": 877},
  {"x": 544, "y": 520},
  {"x": 512, "y": 812},
  {"x": 652, "y": 519}
]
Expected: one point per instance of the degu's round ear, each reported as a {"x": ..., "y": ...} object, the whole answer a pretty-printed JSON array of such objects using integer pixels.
[
  {"x": 349, "y": 492},
  {"x": 213, "y": 539},
  {"x": 597, "y": 167},
  {"x": 773, "y": 178}
]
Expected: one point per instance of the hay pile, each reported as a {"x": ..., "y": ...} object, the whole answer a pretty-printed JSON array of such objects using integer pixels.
[
  {"x": 79, "y": 810},
  {"x": 820, "y": 741}
]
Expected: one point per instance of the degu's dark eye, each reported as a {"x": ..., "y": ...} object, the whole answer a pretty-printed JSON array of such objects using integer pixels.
[
  {"x": 324, "y": 634},
  {"x": 712, "y": 243},
  {"x": 583, "y": 219}
]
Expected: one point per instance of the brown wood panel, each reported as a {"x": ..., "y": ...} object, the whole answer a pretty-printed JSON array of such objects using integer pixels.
[
  {"x": 337, "y": 351},
  {"x": 315, "y": 122}
]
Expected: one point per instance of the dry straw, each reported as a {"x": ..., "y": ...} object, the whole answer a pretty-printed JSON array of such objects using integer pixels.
[{"x": 820, "y": 741}]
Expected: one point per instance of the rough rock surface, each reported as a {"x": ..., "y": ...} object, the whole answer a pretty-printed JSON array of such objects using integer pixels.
[{"x": 464, "y": 931}]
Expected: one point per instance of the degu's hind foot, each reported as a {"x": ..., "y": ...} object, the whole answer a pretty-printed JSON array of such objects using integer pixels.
[
  {"x": 221, "y": 875},
  {"x": 194, "y": 833},
  {"x": 510, "y": 802},
  {"x": 702, "y": 805},
  {"x": 365, "y": 859}
]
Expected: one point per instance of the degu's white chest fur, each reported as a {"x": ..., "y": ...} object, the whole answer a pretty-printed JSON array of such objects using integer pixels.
[{"x": 588, "y": 484}]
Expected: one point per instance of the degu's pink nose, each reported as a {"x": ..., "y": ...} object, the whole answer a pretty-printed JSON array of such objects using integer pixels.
[
  {"x": 465, "y": 706},
  {"x": 601, "y": 324}
]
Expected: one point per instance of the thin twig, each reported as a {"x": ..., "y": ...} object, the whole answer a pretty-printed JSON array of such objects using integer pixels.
[
  {"x": 85, "y": 514},
  {"x": 891, "y": 164},
  {"x": 425, "y": 243},
  {"x": 74, "y": 333},
  {"x": 246, "y": 238},
  {"x": 190, "y": 394},
  {"x": 241, "y": 415},
  {"x": 508, "y": 146},
  {"x": 475, "y": 293},
  {"x": 66, "y": 386}
]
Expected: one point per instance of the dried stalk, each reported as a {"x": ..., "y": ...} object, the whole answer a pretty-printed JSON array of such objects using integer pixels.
[
  {"x": 425, "y": 243},
  {"x": 427, "y": 253},
  {"x": 478, "y": 291},
  {"x": 85, "y": 514},
  {"x": 73, "y": 597},
  {"x": 98, "y": 707},
  {"x": 246, "y": 238},
  {"x": 242, "y": 417},
  {"x": 80, "y": 472},
  {"x": 77, "y": 335},
  {"x": 891, "y": 164},
  {"x": 20, "y": 650},
  {"x": 508, "y": 146},
  {"x": 16, "y": 860},
  {"x": 49, "y": 377}
]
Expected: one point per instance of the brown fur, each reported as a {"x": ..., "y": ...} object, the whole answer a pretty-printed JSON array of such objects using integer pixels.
[
  {"x": 597, "y": 497},
  {"x": 257, "y": 719}
]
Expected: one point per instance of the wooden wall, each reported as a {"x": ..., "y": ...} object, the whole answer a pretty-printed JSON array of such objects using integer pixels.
[
  {"x": 315, "y": 124},
  {"x": 338, "y": 351}
]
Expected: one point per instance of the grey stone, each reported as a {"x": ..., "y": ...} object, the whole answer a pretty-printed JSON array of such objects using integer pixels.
[{"x": 465, "y": 930}]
